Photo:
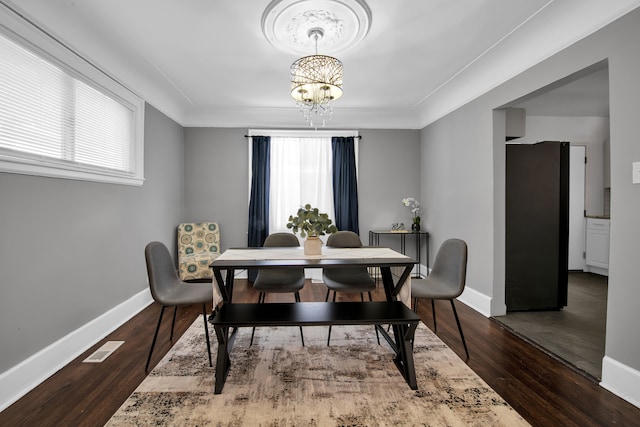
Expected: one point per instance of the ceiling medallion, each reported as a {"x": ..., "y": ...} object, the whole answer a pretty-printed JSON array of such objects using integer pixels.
[{"x": 286, "y": 24}]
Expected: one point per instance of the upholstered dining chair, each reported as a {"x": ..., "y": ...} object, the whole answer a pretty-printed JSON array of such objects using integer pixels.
[
  {"x": 446, "y": 280},
  {"x": 281, "y": 280},
  {"x": 168, "y": 290},
  {"x": 198, "y": 246},
  {"x": 348, "y": 280}
]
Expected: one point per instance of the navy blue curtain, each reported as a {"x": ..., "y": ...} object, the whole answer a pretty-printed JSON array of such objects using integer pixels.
[
  {"x": 345, "y": 186},
  {"x": 259, "y": 199}
]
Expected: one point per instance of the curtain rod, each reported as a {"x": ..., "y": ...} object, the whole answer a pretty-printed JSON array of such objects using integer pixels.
[{"x": 355, "y": 136}]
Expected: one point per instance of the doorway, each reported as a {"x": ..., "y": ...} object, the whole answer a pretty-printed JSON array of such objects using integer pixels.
[{"x": 587, "y": 292}]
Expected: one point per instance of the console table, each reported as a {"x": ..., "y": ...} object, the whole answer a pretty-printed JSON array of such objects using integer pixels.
[{"x": 419, "y": 236}]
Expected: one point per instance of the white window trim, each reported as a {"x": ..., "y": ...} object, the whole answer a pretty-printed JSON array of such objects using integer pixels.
[{"x": 28, "y": 34}]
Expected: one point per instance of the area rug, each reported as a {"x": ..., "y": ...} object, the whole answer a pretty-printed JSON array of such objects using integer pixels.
[{"x": 277, "y": 382}]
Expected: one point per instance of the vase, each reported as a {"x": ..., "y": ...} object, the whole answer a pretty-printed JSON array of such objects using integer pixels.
[
  {"x": 415, "y": 226},
  {"x": 312, "y": 245}
]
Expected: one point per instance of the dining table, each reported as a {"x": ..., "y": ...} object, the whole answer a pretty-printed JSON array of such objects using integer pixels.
[{"x": 395, "y": 270}]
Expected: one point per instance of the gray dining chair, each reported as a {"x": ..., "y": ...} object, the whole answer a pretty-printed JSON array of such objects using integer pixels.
[
  {"x": 445, "y": 282},
  {"x": 279, "y": 280},
  {"x": 168, "y": 290},
  {"x": 348, "y": 280}
]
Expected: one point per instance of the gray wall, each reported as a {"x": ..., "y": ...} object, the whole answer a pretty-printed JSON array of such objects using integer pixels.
[
  {"x": 463, "y": 178},
  {"x": 457, "y": 188},
  {"x": 72, "y": 250},
  {"x": 216, "y": 179},
  {"x": 389, "y": 172},
  {"x": 590, "y": 132}
]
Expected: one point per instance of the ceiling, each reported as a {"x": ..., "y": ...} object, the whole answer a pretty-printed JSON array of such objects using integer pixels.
[
  {"x": 208, "y": 63},
  {"x": 584, "y": 95}
]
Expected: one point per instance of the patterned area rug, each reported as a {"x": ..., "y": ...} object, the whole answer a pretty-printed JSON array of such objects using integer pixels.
[{"x": 277, "y": 382}]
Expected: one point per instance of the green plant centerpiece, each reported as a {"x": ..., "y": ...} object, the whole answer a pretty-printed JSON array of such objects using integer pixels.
[{"x": 310, "y": 223}]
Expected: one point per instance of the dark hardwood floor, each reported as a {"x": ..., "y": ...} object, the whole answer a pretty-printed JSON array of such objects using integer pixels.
[{"x": 545, "y": 391}]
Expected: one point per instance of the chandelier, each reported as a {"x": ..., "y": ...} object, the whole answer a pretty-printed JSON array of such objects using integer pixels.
[{"x": 316, "y": 81}]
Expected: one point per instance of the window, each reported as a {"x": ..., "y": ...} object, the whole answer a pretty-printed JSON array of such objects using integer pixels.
[
  {"x": 301, "y": 172},
  {"x": 60, "y": 116}
]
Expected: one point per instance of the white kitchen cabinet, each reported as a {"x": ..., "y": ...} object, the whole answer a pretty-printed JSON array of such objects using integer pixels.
[{"x": 597, "y": 245}]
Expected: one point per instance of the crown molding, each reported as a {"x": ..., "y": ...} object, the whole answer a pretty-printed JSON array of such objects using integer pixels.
[{"x": 347, "y": 118}]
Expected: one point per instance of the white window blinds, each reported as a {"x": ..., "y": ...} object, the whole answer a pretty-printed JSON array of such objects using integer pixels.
[{"x": 53, "y": 123}]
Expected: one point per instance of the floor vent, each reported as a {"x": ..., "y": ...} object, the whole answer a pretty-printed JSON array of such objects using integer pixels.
[{"x": 103, "y": 352}]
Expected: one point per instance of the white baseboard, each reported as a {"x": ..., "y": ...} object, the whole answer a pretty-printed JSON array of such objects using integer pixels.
[
  {"x": 621, "y": 380},
  {"x": 476, "y": 300},
  {"x": 22, "y": 378},
  {"x": 596, "y": 270}
]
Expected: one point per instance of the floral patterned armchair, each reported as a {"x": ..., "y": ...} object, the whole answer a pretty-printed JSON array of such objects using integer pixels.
[{"x": 198, "y": 245}]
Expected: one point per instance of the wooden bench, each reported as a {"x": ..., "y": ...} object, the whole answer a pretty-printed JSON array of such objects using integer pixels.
[{"x": 230, "y": 317}]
